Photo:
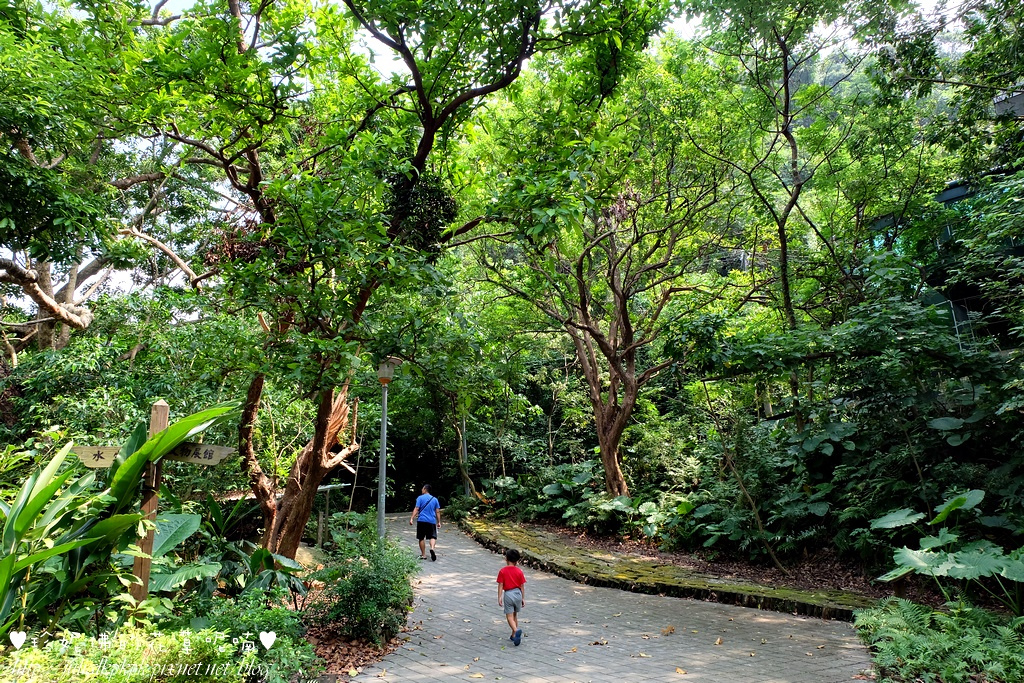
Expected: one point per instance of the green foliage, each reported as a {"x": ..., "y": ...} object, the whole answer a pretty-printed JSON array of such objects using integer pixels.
[
  {"x": 911, "y": 642},
  {"x": 367, "y": 592},
  {"x": 219, "y": 641},
  {"x": 58, "y": 534},
  {"x": 949, "y": 555},
  {"x": 254, "y": 612}
]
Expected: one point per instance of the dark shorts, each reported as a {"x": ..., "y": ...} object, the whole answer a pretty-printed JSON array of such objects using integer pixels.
[{"x": 425, "y": 530}]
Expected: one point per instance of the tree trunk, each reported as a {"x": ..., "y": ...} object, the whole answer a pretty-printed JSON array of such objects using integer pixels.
[
  {"x": 262, "y": 487},
  {"x": 609, "y": 435},
  {"x": 285, "y": 518},
  {"x": 45, "y": 330}
]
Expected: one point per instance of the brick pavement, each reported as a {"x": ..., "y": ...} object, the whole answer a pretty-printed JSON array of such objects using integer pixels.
[{"x": 575, "y": 633}]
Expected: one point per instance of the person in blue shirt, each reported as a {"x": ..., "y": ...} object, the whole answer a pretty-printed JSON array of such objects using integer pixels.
[{"x": 427, "y": 516}]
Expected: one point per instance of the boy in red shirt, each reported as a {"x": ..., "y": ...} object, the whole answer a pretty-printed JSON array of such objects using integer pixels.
[{"x": 511, "y": 591}]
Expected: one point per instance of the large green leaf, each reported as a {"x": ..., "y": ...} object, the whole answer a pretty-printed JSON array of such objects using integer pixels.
[
  {"x": 964, "y": 501},
  {"x": 1013, "y": 568},
  {"x": 946, "y": 424},
  {"x": 165, "y": 582},
  {"x": 172, "y": 529},
  {"x": 974, "y": 564},
  {"x": 896, "y": 519},
  {"x": 35, "y": 505}
]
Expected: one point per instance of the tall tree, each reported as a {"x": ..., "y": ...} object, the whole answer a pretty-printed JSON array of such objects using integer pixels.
[
  {"x": 330, "y": 167},
  {"x": 618, "y": 238}
]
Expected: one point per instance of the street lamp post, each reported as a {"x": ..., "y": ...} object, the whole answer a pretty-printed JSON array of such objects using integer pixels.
[{"x": 384, "y": 373}]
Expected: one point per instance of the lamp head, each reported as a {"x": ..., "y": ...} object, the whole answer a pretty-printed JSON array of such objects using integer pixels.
[{"x": 386, "y": 371}]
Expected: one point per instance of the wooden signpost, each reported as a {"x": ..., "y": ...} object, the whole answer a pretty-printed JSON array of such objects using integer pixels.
[{"x": 196, "y": 453}]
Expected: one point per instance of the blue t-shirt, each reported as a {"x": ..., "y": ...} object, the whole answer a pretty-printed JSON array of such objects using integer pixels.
[{"x": 428, "y": 505}]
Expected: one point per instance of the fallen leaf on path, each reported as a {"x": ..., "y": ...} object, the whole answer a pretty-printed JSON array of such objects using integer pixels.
[
  {"x": 600, "y": 642},
  {"x": 617, "y": 615},
  {"x": 752, "y": 654},
  {"x": 668, "y": 629},
  {"x": 477, "y": 675},
  {"x": 572, "y": 650},
  {"x": 764, "y": 641},
  {"x": 353, "y": 673},
  {"x": 680, "y": 671},
  {"x": 821, "y": 647},
  {"x": 719, "y": 641},
  {"x": 645, "y": 637},
  {"x": 642, "y": 654}
]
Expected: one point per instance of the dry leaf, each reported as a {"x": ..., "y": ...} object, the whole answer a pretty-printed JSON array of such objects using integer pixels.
[
  {"x": 764, "y": 641},
  {"x": 668, "y": 629},
  {"x": 600, "y": 642},
  {"x": 476, "y": 675},
  {"x": 693, "y": 631},
  {"x": 572, "y": 650},
  {"x": 821, "y": 647},
  {"x": 476, "y": 659},
  {"x": 617, "y": 615},
  {"x": 680, "y": 671},
  {"x": 643, "y": 654},
  {"x": 751, "y": 654},
  {"x": 718, "y": 641},
  {"x": 466, "y": 667},
  {"x": 353, "y": 673},
  {"x": 809, "y": 654},
  {"x": 645, "y": 637}
]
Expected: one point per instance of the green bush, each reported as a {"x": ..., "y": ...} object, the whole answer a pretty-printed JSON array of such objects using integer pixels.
[
  {"x": 368, "y": 591},
  {"x": 254, "y": 612},
  {"x": 139, "y": 656},
  {"x": 965, "y": 644}
]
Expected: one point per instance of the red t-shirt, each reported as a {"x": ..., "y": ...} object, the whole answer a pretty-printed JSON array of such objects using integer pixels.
[{"x": 511, "y": 577}]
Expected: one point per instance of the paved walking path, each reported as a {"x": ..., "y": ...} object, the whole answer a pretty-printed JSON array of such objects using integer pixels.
[{"x": 576, "y": 633}]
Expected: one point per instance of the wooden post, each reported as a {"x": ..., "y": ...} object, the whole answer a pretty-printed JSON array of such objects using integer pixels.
[{"x": 158, "y": 418}]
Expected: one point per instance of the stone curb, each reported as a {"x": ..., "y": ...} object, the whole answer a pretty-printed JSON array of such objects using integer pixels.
[{"x": 624, "y": 572}]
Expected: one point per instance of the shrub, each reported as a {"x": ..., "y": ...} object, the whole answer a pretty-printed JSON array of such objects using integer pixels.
[
  {"x": 368, "y": 591},
  {"x": 138, "y": 656},
  {"x": 913, "y": 643}
]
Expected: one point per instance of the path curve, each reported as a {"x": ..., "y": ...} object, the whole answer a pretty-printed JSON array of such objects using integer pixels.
[{"x": 574, "y": 633}]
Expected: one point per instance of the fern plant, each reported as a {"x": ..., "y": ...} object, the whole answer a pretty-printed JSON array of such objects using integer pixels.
[{"x": 964, "y": 644}]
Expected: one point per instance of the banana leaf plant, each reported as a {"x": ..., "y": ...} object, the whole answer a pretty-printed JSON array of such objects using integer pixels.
[{"x": 57, "y": 529}]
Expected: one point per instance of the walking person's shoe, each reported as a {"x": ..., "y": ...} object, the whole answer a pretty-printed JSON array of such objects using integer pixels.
[
  {"x": 518, "y": 637},
  {"x": 433, "y": 556}
]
